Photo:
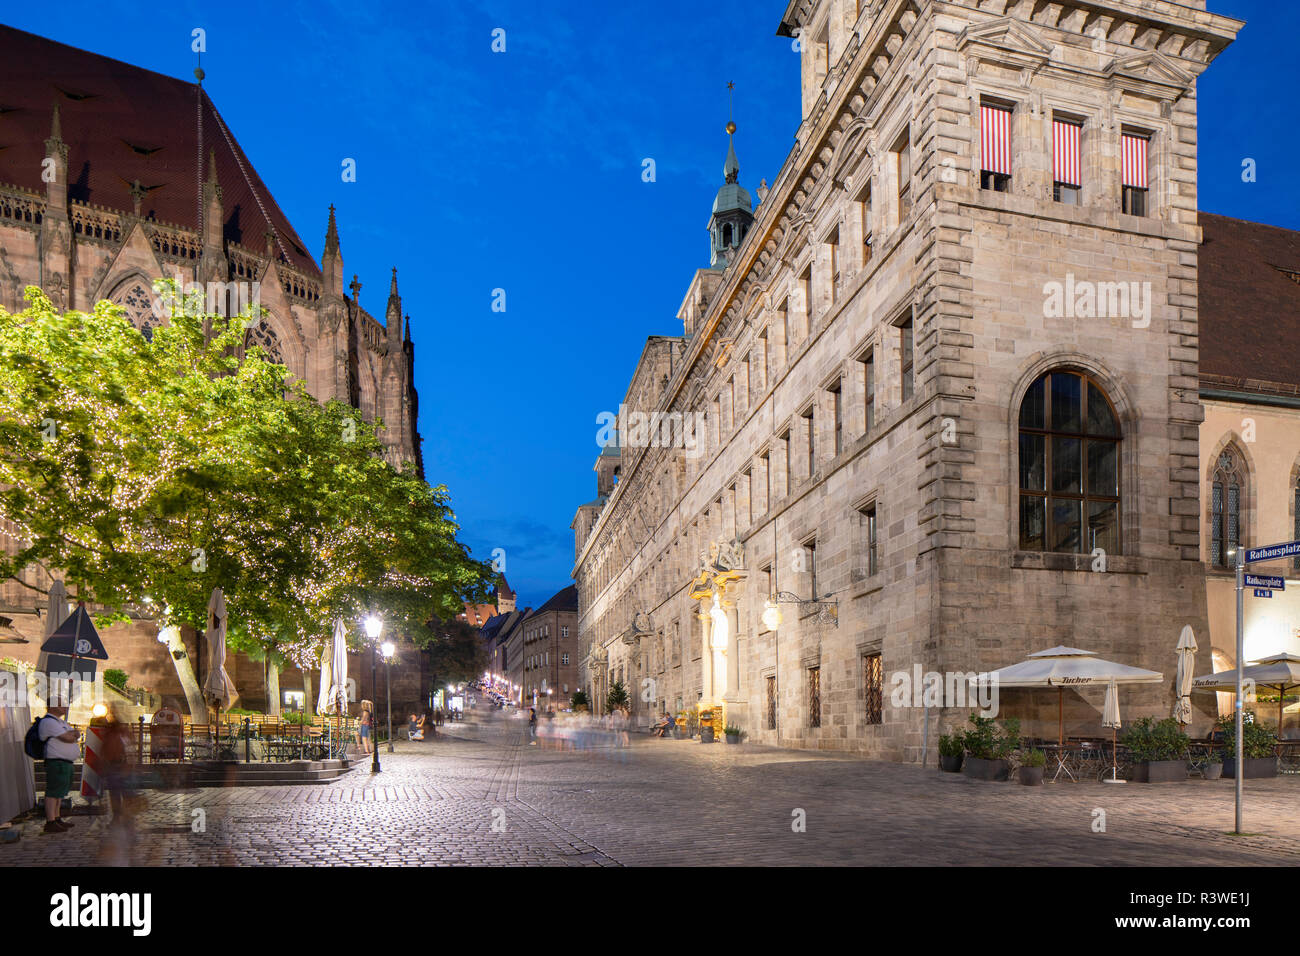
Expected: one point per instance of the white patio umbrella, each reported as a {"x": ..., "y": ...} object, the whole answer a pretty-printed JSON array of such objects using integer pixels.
[
  {"x": 324, "y": 705},
  {"x": 1280, "y": 672},
  {"x": 1186, "y": 651},
  {"x": 339, "y": 674},
  {"x": 1110, "y": 718},
  {"x": 218, "y": 687},
  {"x": 1062, "y": 667}
]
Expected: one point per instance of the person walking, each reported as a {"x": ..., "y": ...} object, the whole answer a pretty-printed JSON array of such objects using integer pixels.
[
  {"x": 62, "y": 750},
  {"x": 532, "y": 726}
]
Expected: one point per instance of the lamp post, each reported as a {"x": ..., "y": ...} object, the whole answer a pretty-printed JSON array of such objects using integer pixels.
[
  {"x": 374, "y": 627},
  {"x": 388, "y": 650}
]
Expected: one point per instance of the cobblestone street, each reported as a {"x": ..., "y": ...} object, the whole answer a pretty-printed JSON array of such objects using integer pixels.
[{"x": 482, "y": 795}]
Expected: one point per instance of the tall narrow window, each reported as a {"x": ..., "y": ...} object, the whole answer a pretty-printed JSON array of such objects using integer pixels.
[
  {"x": 761, "y": 364},
  {"x": 771, "y": 703},
  {"x": 814, "y": 697},
  {"x": 995, "y": 147},
  {"x": 810, "y": 556},
  {"x": 810, "y": 435},
  {"x": 783, "y": 456},
  {"x": 866, "y": 226},
  {"x": 782, "y": 326},
  {"x": 873, "y": 685},
  {"x": 868, "y": 363},
  {"x": 806, "y": 295},
  {"x": 1067, "y": 169},
  {"x": 869, "y": 538},
  {"x": 1134, "y": 170},
  {"x": 1225, "y": 508},
  {"x": 905, "y": 345},
  {"x": 765, "y": 467},
  {"x": 903, "y": 169},
  {"x": 833, "y": 266},
  {"x": 1069, "y": 466},
  {"x": 837, "y": 416}
]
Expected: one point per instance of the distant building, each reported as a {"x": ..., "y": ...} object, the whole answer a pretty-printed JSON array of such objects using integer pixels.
[{"x": 550, "y": 650}]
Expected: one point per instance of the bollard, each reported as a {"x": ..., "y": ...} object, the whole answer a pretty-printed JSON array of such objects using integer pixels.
[
  {"x": 141, "y": 750},
  {"x": 248, "y": 747}
]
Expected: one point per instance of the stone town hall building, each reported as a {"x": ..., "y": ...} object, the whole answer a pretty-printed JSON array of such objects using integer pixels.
[
  {"x": 147, "y": 180},
  {"x": 946, "y": 381}
]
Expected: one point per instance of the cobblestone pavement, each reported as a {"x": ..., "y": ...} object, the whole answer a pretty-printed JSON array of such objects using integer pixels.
[{"x": 482, "y": 795}]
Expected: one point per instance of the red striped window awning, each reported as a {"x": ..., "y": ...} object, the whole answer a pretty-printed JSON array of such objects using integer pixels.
[
  {"x": 995, "y": 139},
  {"x": 1133, "y": 159},
  {"x": 1066, "y": 166}
]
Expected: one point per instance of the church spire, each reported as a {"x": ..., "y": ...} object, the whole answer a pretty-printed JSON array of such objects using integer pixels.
[
  {"x": 393, "y": 323},
  {"x": 733, "y": 211},
  {"x": 331, "y": 260},
  {"x": 332, "y": 235}
]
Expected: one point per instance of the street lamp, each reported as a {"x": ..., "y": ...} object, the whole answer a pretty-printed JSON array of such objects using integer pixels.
[
  {"x": 374, "y": 627},
  {"x": 388, "y": 650}
]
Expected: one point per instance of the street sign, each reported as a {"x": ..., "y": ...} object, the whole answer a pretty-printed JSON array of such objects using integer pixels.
[
  {"x": 1259, "y": 592},
  {"x": 76, "y": 637},
  {"x": 1265, "y": 581},
  {"x": 1269, "y": 552}
]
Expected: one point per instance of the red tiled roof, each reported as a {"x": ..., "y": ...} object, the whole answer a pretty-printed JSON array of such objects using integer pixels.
[
  {"x": 1249, "y": 291},
  {"x": 123, "y": 123}
]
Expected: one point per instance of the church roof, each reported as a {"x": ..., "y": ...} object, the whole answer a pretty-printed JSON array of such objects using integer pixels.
[
  {"x": 123, "y": 123},
  {"x": 1249, "y": 305},
  {"x": 564, "y": 600}
]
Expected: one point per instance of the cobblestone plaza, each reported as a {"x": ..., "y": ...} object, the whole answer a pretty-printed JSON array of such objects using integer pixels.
[{"x": 482, "y": 795}]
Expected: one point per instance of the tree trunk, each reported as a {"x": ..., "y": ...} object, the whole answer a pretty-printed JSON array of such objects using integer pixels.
[
  {"x": 308, "y": 697},
  {"x": 272, "y": 689},
  {"x": 180, "y": 659}
]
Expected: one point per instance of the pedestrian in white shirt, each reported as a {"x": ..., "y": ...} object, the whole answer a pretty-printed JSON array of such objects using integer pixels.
[{"x": 61, "y": 752}]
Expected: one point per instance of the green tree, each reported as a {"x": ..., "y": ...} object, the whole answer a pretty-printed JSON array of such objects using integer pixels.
[
  {"x": 617, "y": 697},
  {"x": 579, "y": 699},
  {"x": 149, "y": 471},
  {"x": 455, "y": 651}
]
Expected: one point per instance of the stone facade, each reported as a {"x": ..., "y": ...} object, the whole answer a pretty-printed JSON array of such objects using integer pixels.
[
  {"x": 887, "y": 531},
  {"x": 550, "y": 651},
  {"x": 121, "y": 181}
]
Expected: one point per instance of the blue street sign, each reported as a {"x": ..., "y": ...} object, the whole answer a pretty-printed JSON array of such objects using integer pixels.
[
  {"x": 1262, "y": 593},
  {"x": 1265, "y": 581},
  {"x": 1268, "y": 553}
]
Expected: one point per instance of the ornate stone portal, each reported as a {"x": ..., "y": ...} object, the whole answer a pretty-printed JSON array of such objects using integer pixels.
[{"x": 718, "y": 586}]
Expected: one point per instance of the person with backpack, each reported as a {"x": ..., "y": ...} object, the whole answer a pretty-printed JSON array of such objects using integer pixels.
[{"x": 54, "y": 740}]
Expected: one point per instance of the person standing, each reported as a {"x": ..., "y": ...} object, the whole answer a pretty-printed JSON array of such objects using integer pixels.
[
  {"x": 532, "y": 726},
  {"x": 61, "y": 752},
  {"x": 367, "y": 726}
]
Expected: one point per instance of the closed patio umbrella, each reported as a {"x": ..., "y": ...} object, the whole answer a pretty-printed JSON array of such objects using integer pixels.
[
  {"x": 339, "y": 675},
  {"x": 1062, "y": 667},
  {"x": 323, "y": 702},
  {"x": 1186, "y": 651},
  {"x": 1110, "y": 718},
  {"x": 1279, "y": 672},
  {"x": 218, "y": 687}
]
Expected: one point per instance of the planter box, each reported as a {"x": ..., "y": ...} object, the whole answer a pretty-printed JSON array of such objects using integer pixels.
[
  {"x": 977, "y": 768},
  {"x": 706, "y": 735},
  {"x": 1256, "y": 767},
  {"x": 950, "y": 764},
  {"x": 1212, "y": 771},
  {"x": 1031, "y": 776},
  {"x": 733, "y": 738},
  {"x": 1160, "y": 771}
]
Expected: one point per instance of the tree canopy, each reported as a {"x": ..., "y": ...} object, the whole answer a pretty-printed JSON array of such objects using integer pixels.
[{"x": 149, "y": 470}]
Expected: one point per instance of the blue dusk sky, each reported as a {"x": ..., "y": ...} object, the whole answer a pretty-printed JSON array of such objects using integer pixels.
[{"x": 522, "y": 171}]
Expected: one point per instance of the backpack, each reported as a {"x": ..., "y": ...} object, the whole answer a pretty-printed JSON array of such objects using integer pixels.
[{"x": 33, "y": 746}]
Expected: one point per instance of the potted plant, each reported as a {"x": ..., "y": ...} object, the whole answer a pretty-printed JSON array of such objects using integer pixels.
[
  {"x": 732, "y": 733},
  {"x": 688, "y": 724},
  {"x": 952, "y": 747},
  {"x": 1158, "y": 750},
  {"x": 1031, "y": 767},
  {"x": 1259, "y": 747},
  {"x": 1213, "y": 768},
  {"x": 706, "y": 726},
  {"x": 988, "y": 746}
]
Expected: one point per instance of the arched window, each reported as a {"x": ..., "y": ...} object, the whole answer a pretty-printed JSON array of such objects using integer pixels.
[
  {"x": 726, "y": 234},
  {"x": 1069, "y": 466},
  {"x": 136, "y": 299},
  {"x": 1225, "y": 507}
]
